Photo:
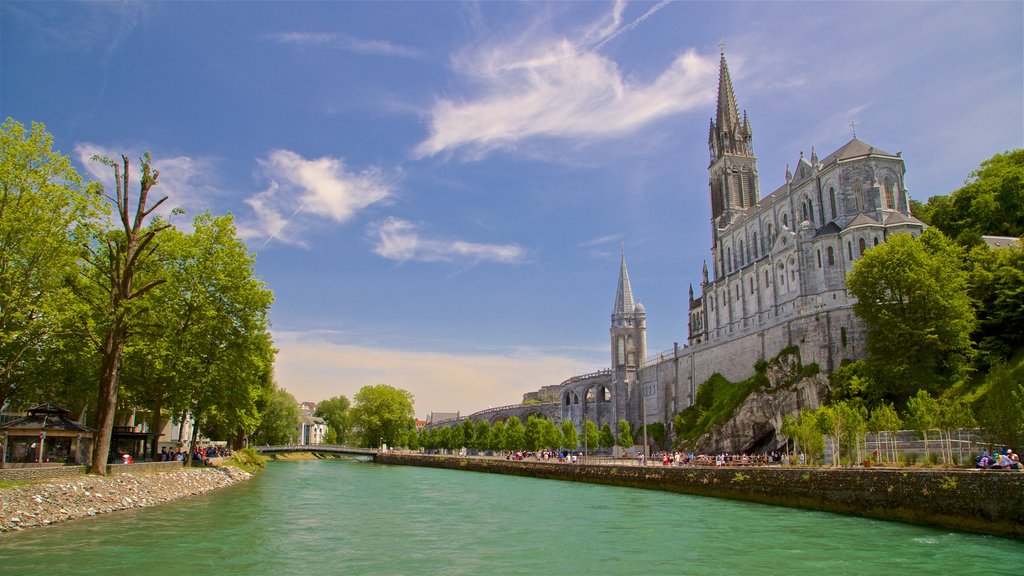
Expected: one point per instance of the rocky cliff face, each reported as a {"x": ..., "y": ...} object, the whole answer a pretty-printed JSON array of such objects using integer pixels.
[{"x": 757, "y": 423}]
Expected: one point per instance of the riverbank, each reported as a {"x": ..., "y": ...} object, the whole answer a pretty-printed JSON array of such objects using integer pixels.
[
  {"x": 982, "y": 501},
  {"x": 68, "y": 498}
]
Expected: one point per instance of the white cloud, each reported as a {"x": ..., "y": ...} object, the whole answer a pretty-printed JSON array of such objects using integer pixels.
[
  {"x": 344, "y": 42},
  {"x": 186, "y": 181},
  {"x": 398, "y": 239},
  {"x": 313, "y": 369},
  {"x": 532, "y": 88},
  {"x": 318, "y": 189}
]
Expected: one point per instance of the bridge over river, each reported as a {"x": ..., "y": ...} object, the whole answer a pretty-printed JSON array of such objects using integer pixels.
[{"x": 318, "y": 449}]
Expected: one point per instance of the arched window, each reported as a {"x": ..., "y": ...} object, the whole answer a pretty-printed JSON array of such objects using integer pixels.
[
  {"x": 890, "y": 193},
  {"x": 832, "y": 200},
  {"x": 743, "y": 254},
  {"x": 728, "y": 258},
  {"x": 858, "y": 195},
  {"x": 863, "y": 246},
  {"x": 819, "y": 257},
  {"x": 785, "y": 220},
  {"x": 767, "y": 281},
  {"x": 782, "y": 274},
  {"x": 849, "y": 249},
  {"x": 831, "y": 257},
  {"x": 622, "y": 350},
  {"x": 876, "y": 240}
]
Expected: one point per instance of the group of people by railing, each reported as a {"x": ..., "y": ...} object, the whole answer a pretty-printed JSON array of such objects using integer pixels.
[{"x": 1001, "y": 460}]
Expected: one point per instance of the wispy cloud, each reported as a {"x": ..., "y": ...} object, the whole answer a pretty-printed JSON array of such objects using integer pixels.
[
  {"x": 187, "y": 182},
  {"x": 318, "y": 189},
  {"x": 340, "y": 41},
  {"x": 558, "y": 88},
  {"x": 400, "y": 240}
]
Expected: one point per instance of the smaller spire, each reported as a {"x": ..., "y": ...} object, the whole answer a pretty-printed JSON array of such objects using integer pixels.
[
  {"x": 789, "y": 175},
  {"x": 814, "y": 156}
]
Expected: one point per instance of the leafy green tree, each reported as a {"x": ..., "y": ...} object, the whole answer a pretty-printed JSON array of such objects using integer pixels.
[
  {"x": 954, "y": 415},
  {"x": 550, "y": 434},
  {"x": 923, "y": 415},
  {"x": 457, "y": 437},
  {"x": 605, "y": 438},
  {"x": 482, "y": 433},
  {"x": 279, "y": 424},
  {"x": 534, "y": 434},
  {"x": 990, "y": 203},
  {"x": 884, "y": 418},
  {"x": 911, "y": 295},
  {"x": 46, "y": 217},
  {"x": 334, "y": 411},
  {"x": 830, "y": 422},
  {"x": 1002, "y": 411},
  {"x": 624, "y": 436},
  {"x": 515, "y": 434},
  {"x": 809, "y": 436},
  {"x": 656, "y": 434},
  {"x": 591, "y": 437},
  {"x": 997, "y": 289},
  {"x": 498, "y": 439},
  {"x": 381, "y": 413},
  {"x": 569, "y": 439},
  {"x": 469, "y": 434}
]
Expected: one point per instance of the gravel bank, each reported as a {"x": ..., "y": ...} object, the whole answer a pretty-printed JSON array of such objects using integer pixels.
[{"x": 80, "y": 496}]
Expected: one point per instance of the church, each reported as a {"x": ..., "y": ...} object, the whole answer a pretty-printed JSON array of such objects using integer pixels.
[{"x": 777, "y": 276}]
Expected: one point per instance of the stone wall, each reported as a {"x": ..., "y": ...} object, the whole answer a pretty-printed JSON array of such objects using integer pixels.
[
  {"x": 37, "y": 473},
  {"x": 970, "y": 500}
]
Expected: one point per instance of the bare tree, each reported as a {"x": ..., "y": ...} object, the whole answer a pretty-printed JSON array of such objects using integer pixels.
[{"x": 115, "y": 260}]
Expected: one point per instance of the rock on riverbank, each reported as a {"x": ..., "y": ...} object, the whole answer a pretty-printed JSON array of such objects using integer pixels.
[{"x": 80, "y": 496}]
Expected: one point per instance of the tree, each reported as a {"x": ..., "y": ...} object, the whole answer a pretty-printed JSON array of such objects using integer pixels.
[
  {"x": 923, "y": 415},
  {"x": 605, "y": 439},
  {"x": 280, "y": 420},
  {"x": 382, "y": 414},
  {"x": 534, "y": 435},
  {"x": 334, "y": 411},
  {"x": 482, "y": 433},
  {"x": 911, "y": 295},
  {"x": 997, "y": 289},
  {"x": 624, "y": 436},
  {"x": 116, "y": 301},
  {"x": 569, "y": 439},
  {"x": 990, "y": 203},
  {"x": 515, "y": 434},
  {"x": 592, "y": 439},
  {"x": 203, "y": 348},
  {"x": 46, "y": 217},
  {"x": 954, "y": 415},
  {"x": 497, "y": 439},
  {"x": 551, "y": 435},
  {"x": 884, "y": 418},
  {"x": 830, "y": 422},
  {"x": 1002, "y": 411}
]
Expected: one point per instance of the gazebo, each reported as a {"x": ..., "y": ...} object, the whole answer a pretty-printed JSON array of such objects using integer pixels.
[{"x": 45, "y": 436}]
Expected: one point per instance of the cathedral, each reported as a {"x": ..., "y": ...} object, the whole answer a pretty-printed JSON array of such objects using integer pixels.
[{"x": 777, "y": 275}]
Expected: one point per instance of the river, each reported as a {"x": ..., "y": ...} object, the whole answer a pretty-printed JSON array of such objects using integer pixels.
[{"x": 341, "y": 517}]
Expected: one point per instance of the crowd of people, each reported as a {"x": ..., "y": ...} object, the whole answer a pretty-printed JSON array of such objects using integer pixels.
[{"x": 1002, "y": 460}]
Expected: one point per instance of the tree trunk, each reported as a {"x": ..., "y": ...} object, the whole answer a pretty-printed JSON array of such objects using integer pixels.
[
  {"x": 156, "y": 426},
  {"x": 105, "y": 404}
]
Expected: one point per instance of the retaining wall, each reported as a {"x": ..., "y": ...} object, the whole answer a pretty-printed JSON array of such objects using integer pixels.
[
  {"x": 984, "y": 501},
  {"x": 38, "y": 473}
]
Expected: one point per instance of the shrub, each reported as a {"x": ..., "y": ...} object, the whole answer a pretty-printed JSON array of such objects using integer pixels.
[{"x": 247, "y": 459}]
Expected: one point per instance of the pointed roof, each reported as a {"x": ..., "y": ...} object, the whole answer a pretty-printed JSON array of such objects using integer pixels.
[
  {"x": 624, "y": 293},
  {"x": 728, "y": 113},
  {"x": 854, "y": 149}
]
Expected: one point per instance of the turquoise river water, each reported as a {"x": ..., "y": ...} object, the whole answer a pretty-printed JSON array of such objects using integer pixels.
[{"x": 339, "y": 517}]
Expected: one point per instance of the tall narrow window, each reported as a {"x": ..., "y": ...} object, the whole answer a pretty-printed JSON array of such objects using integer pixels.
[
  {"x": 832, "y": 201},
  {"x": 819, "y": 257},
  {"x": 831, "y": 257},
  {"x": 858, "y": 195},
  {"x": 743, "y": 254},
  {"x": 890, "y": 193},
  {"x": 863, "y": 246},
  {"x": 785, "y": 220},
  {"x": 849, "y": 249}
]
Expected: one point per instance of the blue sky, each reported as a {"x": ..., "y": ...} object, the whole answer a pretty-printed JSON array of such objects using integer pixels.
[{"x": 438, "y": 192}]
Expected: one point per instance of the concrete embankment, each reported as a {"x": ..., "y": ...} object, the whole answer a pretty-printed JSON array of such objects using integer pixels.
[
  {"x": 988, "y": 502},
  {"x": 67, "y": 497}
]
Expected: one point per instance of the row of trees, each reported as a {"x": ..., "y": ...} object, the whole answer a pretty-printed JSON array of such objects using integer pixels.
[
  {"x": 539, "y": 433},
  {"x": 846, "y": 423},
  {"x": 113, "y": 316}
]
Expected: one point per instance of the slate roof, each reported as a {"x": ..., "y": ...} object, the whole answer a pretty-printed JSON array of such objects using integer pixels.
[{"x": 45, "y": 417}]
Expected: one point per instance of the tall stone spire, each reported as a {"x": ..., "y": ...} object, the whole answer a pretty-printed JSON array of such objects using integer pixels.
[
  {"x": 730, "y": 134},
  {"x": 624, "y": 293}
]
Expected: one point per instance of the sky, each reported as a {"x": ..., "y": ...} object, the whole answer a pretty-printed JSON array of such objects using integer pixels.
[{"x": 439, "y": 193}]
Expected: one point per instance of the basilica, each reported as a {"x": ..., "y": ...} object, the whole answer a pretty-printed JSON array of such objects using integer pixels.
[{"x": 776, "y": 278}]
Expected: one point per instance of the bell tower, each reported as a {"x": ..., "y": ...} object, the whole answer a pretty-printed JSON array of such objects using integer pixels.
[{"x": 732, "y": 173}]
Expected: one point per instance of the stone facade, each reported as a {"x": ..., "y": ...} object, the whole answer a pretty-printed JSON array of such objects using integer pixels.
[{"x": 778, "y": 276}]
